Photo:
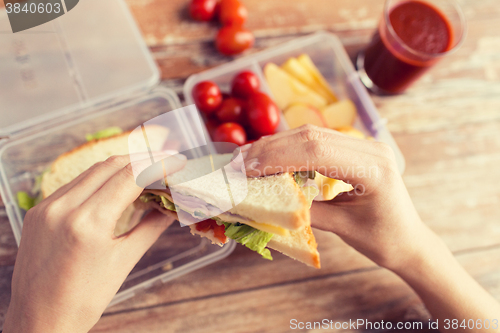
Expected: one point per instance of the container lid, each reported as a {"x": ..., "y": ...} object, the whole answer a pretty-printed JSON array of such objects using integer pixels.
[{"x": 90, "y": 55}]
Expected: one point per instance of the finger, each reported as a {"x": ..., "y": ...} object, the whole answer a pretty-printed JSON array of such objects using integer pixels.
[
  {"x": 119, "y": 191},
  {"x": 65, "y": 188},
  {"x": 329, "y": 216},
  {"x": 146, "y": 233},
  {"x": 139, "y": 156},
  {"x": 91, "y": 180},
  {"x": 332, "y": 161}
]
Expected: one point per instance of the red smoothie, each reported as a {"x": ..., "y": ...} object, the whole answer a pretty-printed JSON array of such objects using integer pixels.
[{"x": 423, "y": 29}]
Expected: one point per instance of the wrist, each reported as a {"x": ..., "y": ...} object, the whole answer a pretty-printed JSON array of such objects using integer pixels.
[
  {"x": 19, "y": 320},
  {"x": 25, "y": 319},
  {"x": 427, "y": 261}
]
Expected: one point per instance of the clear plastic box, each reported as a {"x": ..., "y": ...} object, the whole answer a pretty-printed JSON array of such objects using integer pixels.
[
  {"x": 327, "y": 52},
  {"x": 83, "y": 72}
]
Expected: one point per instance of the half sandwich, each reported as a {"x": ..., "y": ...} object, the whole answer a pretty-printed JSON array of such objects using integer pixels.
[
  {"x": 274, "y": 212},
  {"x": 264, "y": 219}
]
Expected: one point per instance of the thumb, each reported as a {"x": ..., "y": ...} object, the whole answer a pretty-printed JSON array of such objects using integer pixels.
[
  {"x": 328, "y": 218},
  {"x": 146, "y": 233}
]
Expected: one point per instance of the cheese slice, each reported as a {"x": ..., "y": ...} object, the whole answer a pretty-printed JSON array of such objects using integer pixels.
[{"x": 272, "y": 229}]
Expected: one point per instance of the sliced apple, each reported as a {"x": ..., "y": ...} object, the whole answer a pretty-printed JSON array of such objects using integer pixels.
[
  {"x": 299, "y": 114},
  {"x": 351, "y": 131},
  {"x": 307, "y": 63},
  {"x": 295, "y": 69},
  {"x": 329, "y": 188},
  {"x": 340, "y": 114},
  {"x": 288, "y": 90}
]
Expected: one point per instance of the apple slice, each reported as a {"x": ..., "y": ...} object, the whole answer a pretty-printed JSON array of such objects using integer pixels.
[
  {"x": 299, "y": 114},
  {"x": 307, "y": 63},
  {"x": 351, "y": 131},
  {"x": 288, "y": 90},
  {"x": 340, "y": 114},
  {"x": 295, "y": 69},
  {"x": 329, "y": 188}
]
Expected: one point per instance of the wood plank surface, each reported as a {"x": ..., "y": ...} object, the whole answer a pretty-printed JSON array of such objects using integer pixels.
[
  {"x": 374, "y": 294},
  {"x": 447, "y": 126}
]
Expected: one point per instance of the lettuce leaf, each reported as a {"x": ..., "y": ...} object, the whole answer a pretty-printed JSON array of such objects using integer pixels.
[
  {"x": 25, "y": 201},
  {"x": 255, "y": 240},
  {"x": 164, "y": 202},
  {"x": 105, "y": 133},
  {"x": 302, "y": 177}
]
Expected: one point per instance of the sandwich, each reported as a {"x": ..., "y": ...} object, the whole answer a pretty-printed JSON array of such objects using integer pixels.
[
  {"x": 263, "y": 220},
  {"x": 273, "y": 213}
]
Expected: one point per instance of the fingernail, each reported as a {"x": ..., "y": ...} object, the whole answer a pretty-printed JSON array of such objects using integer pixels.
[
  {"x": 236, "y": 152},
  {"x": 244, "y": 155},
  {"x": 245, "y": 147}
]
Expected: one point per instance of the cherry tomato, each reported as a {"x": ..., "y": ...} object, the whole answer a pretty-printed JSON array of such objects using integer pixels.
[
  {"x": 262, "y": 114},
  {"x": 232, "y": 12},
  {"x": 202, "y": 10},
  {"x": 233, "y": 40},
  {"x": 245, "y": 84},
  {"x": 217, "y": 10},
  {"x": 207, "y": 97},
  {"x": 231, "y": 111},
  {"x": 230, "y": 132}
]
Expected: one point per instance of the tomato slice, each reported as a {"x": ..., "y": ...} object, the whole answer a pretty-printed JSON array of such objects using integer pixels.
[
  {"x": 219, "y": 231},
  {"x": 204, "y": 226}
]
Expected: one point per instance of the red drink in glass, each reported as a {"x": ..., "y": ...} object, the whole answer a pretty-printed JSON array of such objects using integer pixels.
[{"x": 411, "y": 38}]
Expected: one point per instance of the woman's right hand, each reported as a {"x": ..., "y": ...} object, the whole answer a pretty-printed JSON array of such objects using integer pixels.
[{"x": 377, "y": 218}]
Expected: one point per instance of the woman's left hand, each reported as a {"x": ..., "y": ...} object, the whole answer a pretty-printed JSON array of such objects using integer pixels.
[{"x": 70, "y": 264}]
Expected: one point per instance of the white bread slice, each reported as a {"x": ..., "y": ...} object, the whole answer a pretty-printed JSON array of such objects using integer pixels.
[
  {"x": 275, "y": 200},
  {"x": 300, "y": 245},
  {"x": 71, "y": 164}
]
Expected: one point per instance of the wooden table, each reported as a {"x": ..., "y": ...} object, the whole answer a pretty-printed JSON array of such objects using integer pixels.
[{"x": 447, "y": 125}]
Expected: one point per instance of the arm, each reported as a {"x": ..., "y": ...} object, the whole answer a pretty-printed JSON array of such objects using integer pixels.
[
  {"x": 377, "y": 218},
  {"x": 70, "y": 264},
  {"x": 448, "y": 291}
]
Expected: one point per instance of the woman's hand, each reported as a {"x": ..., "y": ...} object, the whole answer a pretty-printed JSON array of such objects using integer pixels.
[
  {"x": 377, "y": 218},
  {"x": 70, "y": 264}
]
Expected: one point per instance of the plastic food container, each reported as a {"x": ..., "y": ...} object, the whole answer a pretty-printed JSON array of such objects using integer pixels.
[
  {"x": 330, "y": 57},
  {"x": 83, "y": 72}
]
